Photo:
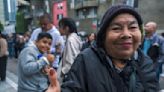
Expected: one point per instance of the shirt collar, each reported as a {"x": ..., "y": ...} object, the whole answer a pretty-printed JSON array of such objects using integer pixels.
[{"x": 151, "y": 38}]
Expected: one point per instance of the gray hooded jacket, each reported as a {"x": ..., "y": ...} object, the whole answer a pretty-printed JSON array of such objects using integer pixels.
[{"x": 30, "y": 75}]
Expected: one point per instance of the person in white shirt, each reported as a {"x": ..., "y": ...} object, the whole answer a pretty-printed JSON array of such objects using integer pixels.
[{"x": 47, "y": 26}]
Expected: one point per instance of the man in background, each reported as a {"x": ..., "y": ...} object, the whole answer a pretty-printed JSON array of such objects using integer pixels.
[{"x": 153, "y": 46}]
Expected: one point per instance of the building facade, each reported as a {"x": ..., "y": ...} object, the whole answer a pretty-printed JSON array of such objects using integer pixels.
[
  {"x": 32, "y": 10},
  {"x": 7, "y": 11},
  {"x": 10, "y": 10},
  {"x": 88, "y": 13},
  {"x": 59, "y": 11},
  {"x": 2, "y": 13},
  {"x": 152, "y": 10}
]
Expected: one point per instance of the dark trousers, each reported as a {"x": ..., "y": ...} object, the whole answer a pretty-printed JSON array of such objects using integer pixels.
[
  {"x": 159, "y": 69},
  {"x": 16, "y": 52},
  {"x": 3, "y": 64}
]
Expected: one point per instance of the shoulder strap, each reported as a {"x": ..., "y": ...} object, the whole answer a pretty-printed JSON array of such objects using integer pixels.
[{"x": 132, "y": 82}]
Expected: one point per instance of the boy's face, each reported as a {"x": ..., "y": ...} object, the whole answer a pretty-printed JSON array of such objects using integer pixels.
[{"x": 44, "y": 44}]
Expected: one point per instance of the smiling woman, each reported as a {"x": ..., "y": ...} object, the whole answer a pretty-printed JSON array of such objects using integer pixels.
[
  {"x": 123, "y": 36},
  {"x": 115, "y": 63}
]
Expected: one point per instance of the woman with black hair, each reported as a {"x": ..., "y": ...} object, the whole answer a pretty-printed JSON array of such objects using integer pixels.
[{"x": 73, "y": 45}]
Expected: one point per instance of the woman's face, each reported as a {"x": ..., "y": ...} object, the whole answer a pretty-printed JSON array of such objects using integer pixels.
[
  {"x": 123, "y": 36},
  {"x": 63, "y": 30},
  {"x": 91, "y": 37}
]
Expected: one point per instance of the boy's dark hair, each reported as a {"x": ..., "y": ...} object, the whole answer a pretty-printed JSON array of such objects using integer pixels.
[
  {"x": 42, "y": 35},
  {"x": 69, "y": 23}
]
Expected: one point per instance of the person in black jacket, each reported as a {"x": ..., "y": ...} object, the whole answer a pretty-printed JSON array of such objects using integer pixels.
[
  {"x": 115, "y": 63},
  {"x": 90, "y": 39}
]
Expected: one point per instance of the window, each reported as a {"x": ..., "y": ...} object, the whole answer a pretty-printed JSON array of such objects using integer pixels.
[
  {"x": 60, "y": 6},
  {"x": 59, "y": 16},
  {"x": 80, "y": 14},
  {"x": 133, "y": 3},
  {"x": 102, "y": 1},
  {"x": 72, "y": 5},
  {"x": 92, "y": 13},
  {"x": 87, "y": 13}
]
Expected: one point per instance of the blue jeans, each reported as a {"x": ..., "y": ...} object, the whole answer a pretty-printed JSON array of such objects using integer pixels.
[{"x": 159, "y": 69}]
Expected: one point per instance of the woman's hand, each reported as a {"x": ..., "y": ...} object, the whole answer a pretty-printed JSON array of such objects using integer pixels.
[{"x": 54, "y": 84}]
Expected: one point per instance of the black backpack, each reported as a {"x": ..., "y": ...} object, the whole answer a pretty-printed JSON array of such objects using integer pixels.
[{"x": 153, "y": 52}]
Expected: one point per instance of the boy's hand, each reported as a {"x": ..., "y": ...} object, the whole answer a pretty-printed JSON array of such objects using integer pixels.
[
  {"x": 50, "y": 58},
  {"x": 58, "y": 48}
]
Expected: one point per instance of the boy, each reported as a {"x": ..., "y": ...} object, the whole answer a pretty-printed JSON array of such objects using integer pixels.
[{"x": 32, "y": 65}]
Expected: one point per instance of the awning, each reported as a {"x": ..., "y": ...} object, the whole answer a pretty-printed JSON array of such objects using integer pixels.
[{"x": 23, "y": 2}]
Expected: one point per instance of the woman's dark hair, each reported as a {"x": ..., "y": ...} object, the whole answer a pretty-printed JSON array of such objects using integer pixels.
[
  {"x": 68, "y": 22},
  {"x": 42, "y": 35}
]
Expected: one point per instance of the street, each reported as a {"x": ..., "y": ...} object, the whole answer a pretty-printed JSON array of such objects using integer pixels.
[{"x": 10, "y": 85}]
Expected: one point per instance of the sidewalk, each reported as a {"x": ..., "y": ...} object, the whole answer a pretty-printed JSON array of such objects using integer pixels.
[
  {"x": 9, "y": 85},
  {"x": 161, "y": 82}
]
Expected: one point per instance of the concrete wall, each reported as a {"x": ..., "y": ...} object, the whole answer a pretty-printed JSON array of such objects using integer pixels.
[
  {"x": 88, "y": 24},
  {"x": 152, "y": 10},
  {"x": 2, "y": 18}
]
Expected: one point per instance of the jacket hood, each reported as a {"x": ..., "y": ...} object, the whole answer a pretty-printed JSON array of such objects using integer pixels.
[{"x": 110, "y": 14}]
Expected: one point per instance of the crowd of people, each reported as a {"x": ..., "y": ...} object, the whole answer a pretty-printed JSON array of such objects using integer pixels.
[{"x": 123, "y": 56}]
